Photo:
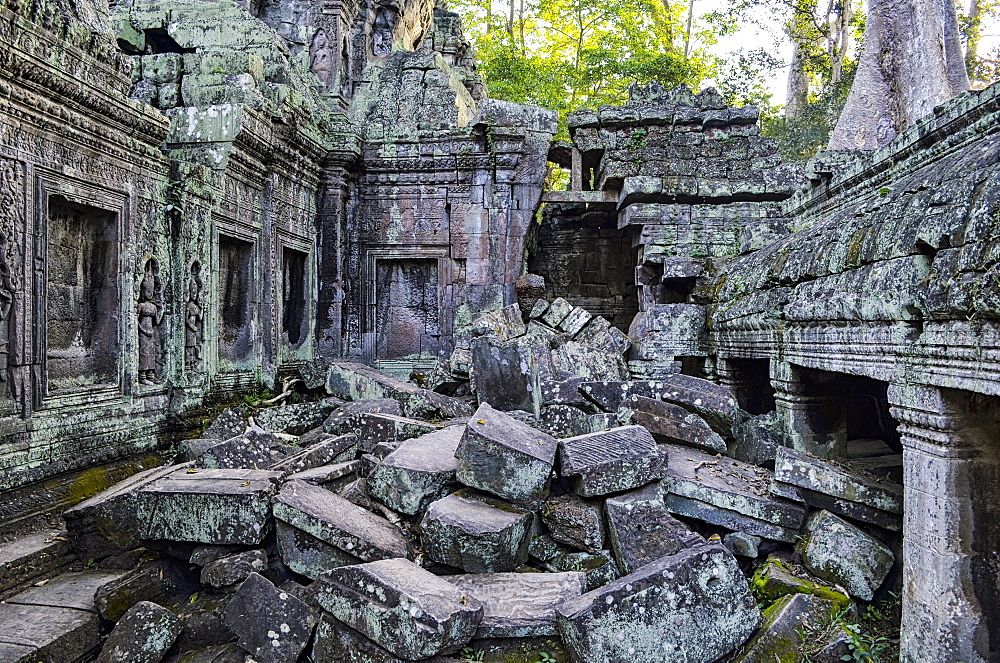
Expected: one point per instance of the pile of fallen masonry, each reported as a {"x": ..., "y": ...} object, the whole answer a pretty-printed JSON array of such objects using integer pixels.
[{"x": 597, "y": 519}]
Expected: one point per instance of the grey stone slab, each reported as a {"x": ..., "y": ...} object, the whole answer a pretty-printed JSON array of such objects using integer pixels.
[
  {"x": 307, "y": 555},
  {"x": 575, "y": 521},
  {"x": 273, "y": 626},
  {"x": 853, "y": 510},
  {"x": 208, "y": 506},
  {"x": 357, "y": 382},
  {"x": 732, "y": 520},
  {"x": 108, "y": 524},
  {"x": 673, "y": 424},
  {"x": 28, "y": 559},
  {"x": 598, "y": 568},
  {"x": 519, "y": 605},
  {"x": 476, "y": 533},
  {"x": 556, "y": 312},
  {"x": 231, "y": 422},
  {"x": 405, "y": 609},
  {"x": 338, "y": 522},
  {"x": 343, "y": 420},
  {"x": 544, "y": 548},
  {"x": 374, "y": 429},
  {"x": 641, "y": 529},
  {"x": 728, "y": 484},
  {"x": 294, "y": 418},
  {"x": 575, "y": 358},
  {"x": 694, "y": 606},
  {"x": 611, "y": 461},
  {"x": 505, "y": 323},
  {"x": 327, "y": 474},
  {"x": 69, "y": 590},
  {"x": 837, "y": 551},
  {"x": 505, "y": 457},
  {"x": 42, "y": 633},
  {"x": 758, "y": 440},
  {"x": 742, "y": 544},
  {"x": 506, "y": 374},
  {"x": 714, "y": 403},
  {"x": 226, "y": 572},
  {"x": 251, "y": 450},
  {"x": 575, "y": 321},
  {"x": 824, "y": 477},
  {"x": 336, "y": 642},
  {"x": 416, "y": 473},
  {"x": 143, "y": 635},
  {"x": 325, "y": 451}
]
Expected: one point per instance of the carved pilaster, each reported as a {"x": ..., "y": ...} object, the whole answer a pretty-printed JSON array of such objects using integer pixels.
[{"x": 951, "y": 568}]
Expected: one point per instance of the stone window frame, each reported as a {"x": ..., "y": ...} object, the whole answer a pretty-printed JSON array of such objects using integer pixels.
[
  {"x": 49, "y": 184},
  {"x": 286, "y": 240},
  {"x": 224, "y": 226},
  {"x": 369, "y": 299}
]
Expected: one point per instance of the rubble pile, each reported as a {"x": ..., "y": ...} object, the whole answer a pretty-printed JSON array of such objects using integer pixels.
[{"x": 388, "y": 522}]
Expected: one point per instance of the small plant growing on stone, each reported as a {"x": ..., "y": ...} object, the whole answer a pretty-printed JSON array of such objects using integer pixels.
[
  {"x": 470, "y": 654},
  {"x": 545, "y": 657}
]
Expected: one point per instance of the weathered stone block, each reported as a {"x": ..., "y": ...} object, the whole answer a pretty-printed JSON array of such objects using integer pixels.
[
  {"x": 230, "y": 423},
  {"x": 504, "y": 324},
  {"x": 476, "y": 533},
  {"x": 743, "y": 545},
  {"x": 406, "y": 610},
  {"x": 355, "y": 382},
  {"x": 335, "y": 521},
  {"x": 252, "y": 450},
  {"x": 328, "y": 449},
  {"x": 815, "y": 474},
  {"x": 586, "y": 361},
  {"x": 729, "y": 493},
  {"x": 714, "y": 403},
  {"x": 273, "y": 626},
  {"x": 506, "y": 457},
  {"x": 344, "y": 419},
  {"x": 143, "y": 635},
  {"x": 598, "y": 568},
  {"x": 776, "y": 578},
  {"x": 556, "y": 312},
  {"x": 294, "y": 418},
  {"x": 837, "y": 551},
  {"x": 673, "y": 424},
  {"x": 575, "y": 521},
  {"x": 642, "y": 530},
  {"x": 308, "y": 555},
  {"x": 693, "y": 606},
  {"x": 758, "y": 440},
  {"x": 208, "y": 506},
  {"x": 227, "y": 571},
  {"x": 374, "y": 429},
  {"x": 611, "y": 461},
  {"x": 416, "y": 473},
  {"x": 788, "y": 623},
  {"x": 506, "y": 373},
  {"x": 519, "y": 605},
  {"x": 108, "y": 524}
]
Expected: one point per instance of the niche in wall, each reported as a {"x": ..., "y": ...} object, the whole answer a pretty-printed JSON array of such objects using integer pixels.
[
  {"x": 293, "y": 295},
  {"x": 407, "y": 316},
  {"x": 82, "y": 296},
  {"x": 237, "y": 299}
]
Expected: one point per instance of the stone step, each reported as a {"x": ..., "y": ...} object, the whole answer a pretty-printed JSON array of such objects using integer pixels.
[
  {"x": 55, "y": 622},
  {"x": 33, "y": 558}
]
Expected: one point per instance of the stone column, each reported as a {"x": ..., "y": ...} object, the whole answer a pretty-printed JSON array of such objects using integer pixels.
[
  {"x": 816, "y": 424},
  {"x": 951, "y": 544}
]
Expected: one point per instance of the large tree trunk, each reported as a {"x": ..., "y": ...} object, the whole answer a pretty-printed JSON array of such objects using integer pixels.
[
  {"x": 975, "y": 34},
  {"x": 797, "y": 92},
  {"x": 911, "y": 62}
]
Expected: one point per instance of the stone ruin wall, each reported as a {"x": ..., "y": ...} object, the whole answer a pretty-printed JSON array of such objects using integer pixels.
[
  {"x": 194, "y": 207},
  {"x": 202, "y": 198}
]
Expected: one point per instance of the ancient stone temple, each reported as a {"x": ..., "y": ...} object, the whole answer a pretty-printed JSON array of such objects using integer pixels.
[{"x": 696, "y": 370}]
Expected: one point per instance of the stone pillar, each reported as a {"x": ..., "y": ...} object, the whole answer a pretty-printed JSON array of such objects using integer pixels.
[
  {"x": 951, "y": 534},
  {"x": 816, "y": 422}
]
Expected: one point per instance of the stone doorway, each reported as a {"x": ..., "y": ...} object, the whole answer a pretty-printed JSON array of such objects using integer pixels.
[
  {"x": 236, "y": 299},
  {"x": 407, "y": 313}
]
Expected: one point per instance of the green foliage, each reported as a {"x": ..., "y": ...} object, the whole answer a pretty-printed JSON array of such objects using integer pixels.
[
  {"x": 801, "y": 138},
  {"x": 470, "y": 654},
  {"x": 545, "y": 657},
  {"x": 570, "y": 54}
]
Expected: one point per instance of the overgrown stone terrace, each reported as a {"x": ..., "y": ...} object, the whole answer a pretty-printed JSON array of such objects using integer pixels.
[{"x": 709, "y": 407}]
